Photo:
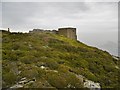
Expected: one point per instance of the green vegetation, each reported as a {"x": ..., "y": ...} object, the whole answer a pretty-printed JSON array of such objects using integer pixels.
[{"x": 24, "y": 54}]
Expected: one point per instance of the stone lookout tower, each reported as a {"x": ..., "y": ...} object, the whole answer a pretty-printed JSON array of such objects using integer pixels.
[{"x": 68, "y": 32}]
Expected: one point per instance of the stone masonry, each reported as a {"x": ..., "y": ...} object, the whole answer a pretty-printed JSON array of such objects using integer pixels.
[{"x": 67, "y": 32}]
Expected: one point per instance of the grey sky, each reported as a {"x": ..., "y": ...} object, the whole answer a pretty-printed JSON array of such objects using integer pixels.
[
  {"x": 59, "y": 0},
  {"x": 96, "y": 23}
]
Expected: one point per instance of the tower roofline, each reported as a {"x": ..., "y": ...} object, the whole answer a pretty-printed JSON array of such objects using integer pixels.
[{"x": 67, "y": 28}]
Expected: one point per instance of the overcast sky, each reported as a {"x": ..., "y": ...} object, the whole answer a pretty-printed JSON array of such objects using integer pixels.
[{"x": 96, "y": 22}]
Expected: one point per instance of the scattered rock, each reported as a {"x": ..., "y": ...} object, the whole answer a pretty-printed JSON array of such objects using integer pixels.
[
  {"x": 30, "y": 46},
  {"x": 115, "y": 57},
  {"x": 53, "y": 71},
  {"x": 43, "y": 57},
  {"x": 43, "y": 67},
  {"x": 19, "y": 72},
  {"x": 90, "y": 84},
  {"x": 17, "y": 86},
  {"x": 45, "y": 46},
  {"x": 23, "y": 78},
  {"x": 69, "y": 85},
  {"x": 117, "y": 67},
  {"x": 13, "y": 50},
  {"x": 23, "y": 82}
]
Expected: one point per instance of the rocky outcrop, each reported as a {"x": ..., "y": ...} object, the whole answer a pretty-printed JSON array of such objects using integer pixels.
[
  {"x": 92, "y": 85},
  {"x": 23, "y": 82},
  {"x": 88, "y": 83}
]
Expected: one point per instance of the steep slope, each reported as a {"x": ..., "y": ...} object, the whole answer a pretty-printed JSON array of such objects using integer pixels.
[{"x": 40, "y": 60}]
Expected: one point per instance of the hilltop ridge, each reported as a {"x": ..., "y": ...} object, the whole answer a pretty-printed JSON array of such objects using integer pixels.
[{"x": 47, "y": 60}]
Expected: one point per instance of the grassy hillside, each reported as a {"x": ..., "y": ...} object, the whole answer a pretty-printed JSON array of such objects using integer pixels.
[{"x": 54, "y": 61}]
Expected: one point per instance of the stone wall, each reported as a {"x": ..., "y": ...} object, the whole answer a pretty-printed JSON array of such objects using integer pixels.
[
  {"x": 68, "y": 32},
  {"x": 43, "y": 31}
]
